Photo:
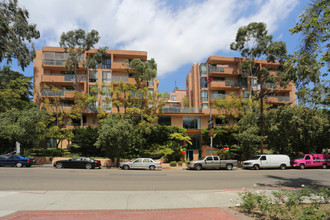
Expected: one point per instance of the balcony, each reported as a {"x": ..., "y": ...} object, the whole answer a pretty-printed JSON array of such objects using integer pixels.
[
  {"x": 53, "y": 62},
  {"x": 62, "y": 78},
  {"x": 182, "y": 110},
  {"x": 228, "y": 84},
  {"x": 204, "y": 99},
  {"x": 279, "y": 99},
  {"x": 276, "y": 87},
  {"x": 222, "y": 71},
  {"x": 119, "y": 66},
  {"x": 120, "y": 79}
]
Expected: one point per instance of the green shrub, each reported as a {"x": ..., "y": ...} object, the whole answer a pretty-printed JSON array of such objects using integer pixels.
[
  {"x": 45, "y": 152},
  {"x": 286, "y": 204},
  {"x": 180, "y": 163},
  {"x": 173, "y": 163}
]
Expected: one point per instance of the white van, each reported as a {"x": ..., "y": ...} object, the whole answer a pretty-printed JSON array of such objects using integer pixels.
[{"x": 267, "y": 161}]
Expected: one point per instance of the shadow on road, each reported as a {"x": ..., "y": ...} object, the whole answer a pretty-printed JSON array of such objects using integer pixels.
[{"x": 293, "y": 182}]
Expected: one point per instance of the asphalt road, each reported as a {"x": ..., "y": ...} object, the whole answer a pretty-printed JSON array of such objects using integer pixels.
[{"x": 51, "y": 179}]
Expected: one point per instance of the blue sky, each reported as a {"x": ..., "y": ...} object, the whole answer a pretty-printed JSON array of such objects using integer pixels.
[{"x": 175, "y": 33}]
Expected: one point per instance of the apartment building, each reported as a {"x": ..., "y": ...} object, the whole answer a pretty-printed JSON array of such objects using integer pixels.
[
  {"x": 222, "y": 77},
  {"x": 217, "y": 77},
  {"x": 50, "y": 72}
]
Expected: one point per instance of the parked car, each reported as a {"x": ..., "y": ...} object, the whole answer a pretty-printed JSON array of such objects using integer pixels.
[
  {"x": 267, "y": 161},
  {"x": 140, "y": 163},
  {"x": 211, "y": 162},
  {"x": 15, "y": 160},
  {"x": 311, "y": 160},
  {"x": 78, "y": 162}
]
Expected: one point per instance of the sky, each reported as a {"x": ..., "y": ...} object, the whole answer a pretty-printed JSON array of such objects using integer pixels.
[{"x": 176, "y": 33}]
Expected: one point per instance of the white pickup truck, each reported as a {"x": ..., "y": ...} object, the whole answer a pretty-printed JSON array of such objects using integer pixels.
[{"x": 211, "y": 162}]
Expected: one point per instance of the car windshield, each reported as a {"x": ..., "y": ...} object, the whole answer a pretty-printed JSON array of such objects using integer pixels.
[{"x": 255, "y": 157}]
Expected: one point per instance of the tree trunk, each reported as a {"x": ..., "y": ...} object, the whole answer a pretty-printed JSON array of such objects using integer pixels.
[{"x": 262, "y": 125}]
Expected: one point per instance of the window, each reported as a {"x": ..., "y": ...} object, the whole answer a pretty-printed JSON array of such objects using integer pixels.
[
  {"x": 263, "y": 158},
  {"x": 203, "y": 82},
  {"x": 245, "y": 94},
  {"x": 307, "y": 157},
  {"x": 137, "y": 161},
  {"x": 217, "y": 94},
  {"x": 106, "y": 106},
  {"x": 106, "y": 76},
  {"x": 203, "y": 69},
  {"x": 164, "y": 120},
  {"x": 106, "y": 63},
  {"x": 205, "y": 106},
  {"x": 173, "y": 97},
  {"x": 106, "y": 92},
  {"x": 92, "y": 76},
  {"x": 147, "y": 161},
  {"x": 204, "y": 96},
  {"x": 151, "y": 82},
  {"x": 191, "y": 122},
  {"x": 93, "y": 91},
  {"x": 216, "y": 158},
  {"x": 209, "y": 158},
  {"x": 217, "y": 79}
]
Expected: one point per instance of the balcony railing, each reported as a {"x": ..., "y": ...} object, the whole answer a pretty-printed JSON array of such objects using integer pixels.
[
  {"x": 50, "y": 92},
  {"x": 231, "y": 83},
  {"x": 270, "y": 85},
  {"x": 221, "y": 96},
  {"x": 216, "y": 69},
  {"x": 182, "y": 110},
  {"x": 120, "y": 78},
  {"x": 204, "y": 99},
  {"x": 53, "y": 62},
  {"x": 284, "y": 98}
]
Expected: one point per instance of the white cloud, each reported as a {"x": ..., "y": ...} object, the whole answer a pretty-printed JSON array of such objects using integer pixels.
[{"x": 173, "y": 36}]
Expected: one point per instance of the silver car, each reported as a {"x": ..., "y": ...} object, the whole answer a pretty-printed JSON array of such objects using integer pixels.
[{"x": 140, "y": 163}]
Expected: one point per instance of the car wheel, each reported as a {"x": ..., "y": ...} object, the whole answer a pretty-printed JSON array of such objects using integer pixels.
[
  {"x": 88, "y": 166},
  {"x": 152, "y": 167},
  {"x": 283, "y": 166},
  {"x": 256, "y": 167},
  {"x": 324, "y": 166},
  {"x": 59, "y": 165},
  {"x": 198, "y": 167},
  {"x": 125, "y": 167},
  {"x": 229, "y": 166},
  {"x": 302, "y": 166},
  {"x": 19, "y": 164}
]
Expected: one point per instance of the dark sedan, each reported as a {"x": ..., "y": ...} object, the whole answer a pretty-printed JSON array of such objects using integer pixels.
[
  {"x": 15, "y": 160},
  {"x": 78, "y": 162}
]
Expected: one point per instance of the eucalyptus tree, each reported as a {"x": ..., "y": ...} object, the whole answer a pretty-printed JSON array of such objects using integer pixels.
[
  {"x": 143, "y": 73},
  {"x": 77, "y": 44},
  {"x": 310, "y": 63},
  {"x": 254, "y": 42},
  {"x": 16, "y": 34}
]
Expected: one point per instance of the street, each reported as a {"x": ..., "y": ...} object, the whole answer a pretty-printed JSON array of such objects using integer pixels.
[{"x": 50, "y": 179}]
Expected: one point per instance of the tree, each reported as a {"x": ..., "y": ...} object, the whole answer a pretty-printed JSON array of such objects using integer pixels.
[
  {"x": 28, "y": 127},
  {"x": 254, "y": 42},
  {"x": 84, "y": 141},
  {"x": 16, "y": 34},
  {"x": 15, "y": 90},
  {"x": 142, "y": 72},
  {"x": 59, "y": 134},
  {"x": 248, "y": 135},
  {"x": 309, "y": 61},
  {"x": 115, "y": 136},
  {"x": 77, "y": 43},
  {"x": 294, "y": 130}
]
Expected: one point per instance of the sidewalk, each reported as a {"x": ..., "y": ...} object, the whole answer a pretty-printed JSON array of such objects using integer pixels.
[
  {"x": 147, "y": 214},
  {"x": 118, "y": 205}
]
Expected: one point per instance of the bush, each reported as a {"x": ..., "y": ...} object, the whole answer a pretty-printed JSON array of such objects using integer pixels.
[
  {"x": 286, "y": 204},
  {"x": 180, "y": 163},
  {"x": 173, "y": 163},
  {"x": 45, "y": 152}
]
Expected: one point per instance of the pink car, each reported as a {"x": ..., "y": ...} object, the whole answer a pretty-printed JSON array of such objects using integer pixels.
[{"x": 311, "y": 160}]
